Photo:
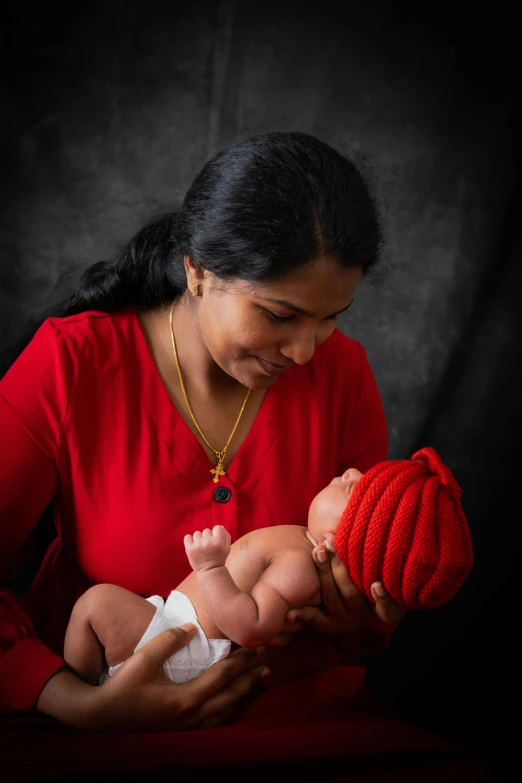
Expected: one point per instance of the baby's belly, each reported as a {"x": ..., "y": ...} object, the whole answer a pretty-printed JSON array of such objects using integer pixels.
[{"x": 190, "y": 588}]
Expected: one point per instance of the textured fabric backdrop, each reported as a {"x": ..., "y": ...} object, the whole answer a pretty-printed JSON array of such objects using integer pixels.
[{"x": 110, "y": 112}]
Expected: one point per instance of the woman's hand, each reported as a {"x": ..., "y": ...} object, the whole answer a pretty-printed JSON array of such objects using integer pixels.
[
  {"x": 140, "y": 697},
  {"x": 344, "y": 608}
]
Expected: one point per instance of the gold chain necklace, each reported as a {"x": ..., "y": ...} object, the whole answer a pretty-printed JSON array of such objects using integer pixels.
[{"x": 220, "y": 455}]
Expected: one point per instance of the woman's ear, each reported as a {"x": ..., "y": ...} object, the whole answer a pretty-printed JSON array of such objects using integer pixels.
[{"x": 194, "y": 272}]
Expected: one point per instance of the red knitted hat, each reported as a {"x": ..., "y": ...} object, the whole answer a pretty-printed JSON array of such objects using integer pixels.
[{"x": 404, "y": 525}]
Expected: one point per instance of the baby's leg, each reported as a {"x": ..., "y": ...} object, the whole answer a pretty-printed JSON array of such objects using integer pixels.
[{"x": 106, "y": 624}]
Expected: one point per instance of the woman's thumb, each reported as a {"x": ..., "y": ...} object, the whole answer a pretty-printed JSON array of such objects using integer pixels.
[{"x": 168, "y": 642}]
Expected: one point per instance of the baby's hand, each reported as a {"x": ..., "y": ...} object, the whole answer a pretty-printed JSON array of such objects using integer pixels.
[{"x": 207, "y": 549}]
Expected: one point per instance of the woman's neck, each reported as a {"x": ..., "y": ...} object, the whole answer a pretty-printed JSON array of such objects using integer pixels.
[{"x": 200, "y": 372}]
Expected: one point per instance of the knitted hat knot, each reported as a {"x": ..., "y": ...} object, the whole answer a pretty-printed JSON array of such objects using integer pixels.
[{"x": 432, "y": 463}]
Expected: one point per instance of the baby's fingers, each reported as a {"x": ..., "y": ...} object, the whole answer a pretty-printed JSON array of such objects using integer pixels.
[{"x": 221, "y": 534}]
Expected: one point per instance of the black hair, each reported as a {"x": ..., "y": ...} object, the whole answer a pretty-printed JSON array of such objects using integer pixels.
[{"x": 255, "y": 211}]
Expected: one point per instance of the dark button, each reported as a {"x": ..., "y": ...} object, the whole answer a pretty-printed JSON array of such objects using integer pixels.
[{"x": 222, "y": 494}]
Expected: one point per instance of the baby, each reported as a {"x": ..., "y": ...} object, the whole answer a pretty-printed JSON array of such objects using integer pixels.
[{"x": 401, "y": 523}]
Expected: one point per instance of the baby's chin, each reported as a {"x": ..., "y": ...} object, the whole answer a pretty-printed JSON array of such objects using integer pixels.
[{"x": 321, "y": 532}]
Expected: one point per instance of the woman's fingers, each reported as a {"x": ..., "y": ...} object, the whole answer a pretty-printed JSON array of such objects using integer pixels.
[
  {"x": 385, "y": 607},
  {"x": 330, "y": 597},
  {"x": 141, "y": 695},
  {"x": 223, "y": 685},
  {"x": 217, "y": 720},
  {"x": 224, "y": 701},
  {"x": 221, "y": 675},
  {"x": 351, "y": 596},
  {"x": 165, "y": 644}
]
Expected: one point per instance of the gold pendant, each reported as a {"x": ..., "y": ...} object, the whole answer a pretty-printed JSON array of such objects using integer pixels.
[{"x": 218, "y": 471}]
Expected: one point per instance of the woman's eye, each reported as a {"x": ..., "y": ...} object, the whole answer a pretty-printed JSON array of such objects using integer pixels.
[{"x": 279, "y": 318}]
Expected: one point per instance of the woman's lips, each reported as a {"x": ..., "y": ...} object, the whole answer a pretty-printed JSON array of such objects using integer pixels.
[{"x": 270, "y": 368}]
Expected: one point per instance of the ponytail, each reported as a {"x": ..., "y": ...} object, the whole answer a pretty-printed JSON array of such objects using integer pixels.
[{"x": 147, "y": 273}]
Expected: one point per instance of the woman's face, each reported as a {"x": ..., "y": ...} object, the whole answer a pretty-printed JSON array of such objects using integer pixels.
[{"x": 256, "y": 331}]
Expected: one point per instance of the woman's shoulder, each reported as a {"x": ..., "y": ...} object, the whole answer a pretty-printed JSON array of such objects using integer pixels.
[
  {"x": 39, "y": 384},
  {"x": 61, "y": 347},
  {"x": 90, "y": 324},
  {"x": 92, "y": 335}
]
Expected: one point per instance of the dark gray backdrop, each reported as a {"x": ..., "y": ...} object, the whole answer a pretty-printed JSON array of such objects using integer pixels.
[{"x": 109, "y": 113}]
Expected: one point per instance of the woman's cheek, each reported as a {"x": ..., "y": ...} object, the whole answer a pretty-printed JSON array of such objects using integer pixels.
[{"x": 257, "y": 339}]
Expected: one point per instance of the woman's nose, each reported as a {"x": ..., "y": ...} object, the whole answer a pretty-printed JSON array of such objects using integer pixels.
[{"x": 301, "y": 348}]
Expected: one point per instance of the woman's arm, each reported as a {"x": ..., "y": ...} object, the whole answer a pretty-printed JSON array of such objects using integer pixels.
[
  {"x": 248, "y": 620},
  {"x": 34, "y": 395},
  {"x": 28, "y": 482},
  {"x": 68, "y": 699}
]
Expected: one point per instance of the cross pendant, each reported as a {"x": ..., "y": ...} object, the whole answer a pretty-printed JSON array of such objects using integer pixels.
[{"x": 218, "y": 471}]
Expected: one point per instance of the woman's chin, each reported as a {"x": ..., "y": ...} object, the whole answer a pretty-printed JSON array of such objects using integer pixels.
[
  {"x": 258, "y": 383},
  {"x": 251, "y": 376}
]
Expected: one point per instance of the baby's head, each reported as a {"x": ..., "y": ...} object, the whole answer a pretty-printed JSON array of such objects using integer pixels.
[
  {"x": 401, "y": 523},
  {"x": 328, "y": 506}
]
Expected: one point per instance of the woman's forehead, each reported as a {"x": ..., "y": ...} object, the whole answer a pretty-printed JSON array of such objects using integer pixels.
[{"x": 312, "y": 288}]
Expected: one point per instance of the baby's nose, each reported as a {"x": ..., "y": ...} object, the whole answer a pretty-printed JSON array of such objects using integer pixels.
[{"x": 352, "y": 474}]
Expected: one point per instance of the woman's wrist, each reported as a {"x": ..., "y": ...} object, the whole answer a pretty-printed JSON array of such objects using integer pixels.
[{"x": 69, "y": 699}]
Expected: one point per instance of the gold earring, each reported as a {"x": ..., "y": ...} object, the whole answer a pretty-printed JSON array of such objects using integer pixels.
[{"x": 194, "y": 289}]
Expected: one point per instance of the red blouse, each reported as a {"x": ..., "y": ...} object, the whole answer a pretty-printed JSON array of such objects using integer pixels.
[{"x": 85, "y": 419}]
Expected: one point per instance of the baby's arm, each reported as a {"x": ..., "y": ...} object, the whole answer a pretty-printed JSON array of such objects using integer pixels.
[
  {"x": 248, "y": 620},
  {"x": 106, "y": 624}
]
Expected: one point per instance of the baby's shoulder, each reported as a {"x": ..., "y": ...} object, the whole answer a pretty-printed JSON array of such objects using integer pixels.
[
  {"x": 278, "y": 540},
  {"x": 291, "y": 568},
  {"x": 278, "y": 546},
  {"x": 283, "y": 555}
]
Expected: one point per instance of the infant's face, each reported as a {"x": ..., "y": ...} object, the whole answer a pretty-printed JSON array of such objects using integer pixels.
[{"x": 326, "y": 508}]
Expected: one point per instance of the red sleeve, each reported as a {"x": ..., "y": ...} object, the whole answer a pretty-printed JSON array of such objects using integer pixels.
[
  {"x": 363, "y": 443},
  {"x": 34, "y": 395}
]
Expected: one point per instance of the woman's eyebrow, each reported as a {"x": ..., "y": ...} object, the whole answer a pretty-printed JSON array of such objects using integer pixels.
[{"x": 300, "y": 310}]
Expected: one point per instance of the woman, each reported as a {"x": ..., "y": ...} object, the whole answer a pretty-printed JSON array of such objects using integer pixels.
[{"x": 197, "y": 379}]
